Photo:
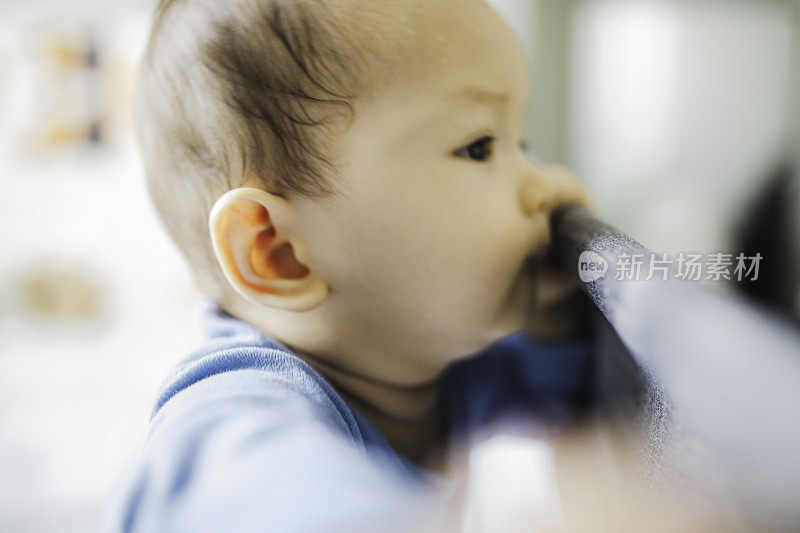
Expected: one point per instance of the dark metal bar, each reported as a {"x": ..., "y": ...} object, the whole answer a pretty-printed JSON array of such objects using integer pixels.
[
  {"x": 576, "y": 231},
  {"x": 730, "y": 370}
]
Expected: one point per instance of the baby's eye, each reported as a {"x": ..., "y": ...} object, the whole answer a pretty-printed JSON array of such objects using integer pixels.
[{"x": 480, "y": 150}]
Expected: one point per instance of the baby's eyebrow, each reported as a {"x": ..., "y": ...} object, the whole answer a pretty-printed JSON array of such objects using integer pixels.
[{"x": 482, "y": 95}]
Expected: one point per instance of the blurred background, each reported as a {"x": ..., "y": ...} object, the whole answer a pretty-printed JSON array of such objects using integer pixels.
[{"x": 683, "y": 116}]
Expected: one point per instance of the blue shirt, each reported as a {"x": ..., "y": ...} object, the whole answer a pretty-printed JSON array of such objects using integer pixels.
[{"x": 246, "y": 436}]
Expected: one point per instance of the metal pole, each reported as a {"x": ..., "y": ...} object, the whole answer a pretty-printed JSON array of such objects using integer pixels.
[{"x": 731, "y": 371}]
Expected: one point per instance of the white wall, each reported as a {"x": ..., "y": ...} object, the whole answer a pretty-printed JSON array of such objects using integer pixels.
[{"x": 677, "y": 110}]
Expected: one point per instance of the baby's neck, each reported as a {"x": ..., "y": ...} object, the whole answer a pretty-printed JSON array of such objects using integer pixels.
[{"x": 411, "y": 418}]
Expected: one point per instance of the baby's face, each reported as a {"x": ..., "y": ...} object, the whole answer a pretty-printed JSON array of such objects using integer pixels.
[{"x": 424, "y": 246}]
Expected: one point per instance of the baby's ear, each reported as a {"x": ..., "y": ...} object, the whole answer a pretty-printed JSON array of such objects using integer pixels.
[{"x": 250, "y": 235}]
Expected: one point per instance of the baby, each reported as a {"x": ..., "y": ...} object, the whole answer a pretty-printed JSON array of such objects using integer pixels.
[{"x": 348, "y": 181}]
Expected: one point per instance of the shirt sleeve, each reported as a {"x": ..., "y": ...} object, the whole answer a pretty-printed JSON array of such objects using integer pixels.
[{"x": 244, "y": 451}]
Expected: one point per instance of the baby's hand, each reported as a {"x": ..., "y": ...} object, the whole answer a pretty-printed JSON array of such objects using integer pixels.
[{"x": 559, "y": 309}]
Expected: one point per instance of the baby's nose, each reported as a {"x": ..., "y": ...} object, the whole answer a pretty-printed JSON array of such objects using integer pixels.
[
  {"x": 536, "y": 192},
  {"x": 546, "y": 189}
]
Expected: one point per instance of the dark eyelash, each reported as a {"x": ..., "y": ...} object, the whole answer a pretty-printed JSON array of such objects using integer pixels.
[{"x": 468, "y": 153}]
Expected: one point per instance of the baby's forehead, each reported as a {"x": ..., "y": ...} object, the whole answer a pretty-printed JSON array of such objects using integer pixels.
[{"x": 414, "y": 40}]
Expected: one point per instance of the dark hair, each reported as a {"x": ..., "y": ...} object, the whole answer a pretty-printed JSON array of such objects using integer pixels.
[{"x": 232, "y": 90}]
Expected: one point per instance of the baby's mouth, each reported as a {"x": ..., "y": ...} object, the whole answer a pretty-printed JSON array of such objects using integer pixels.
[
  {"x": 536, "y": 261},
  {"x": 549, "y": 282}
]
